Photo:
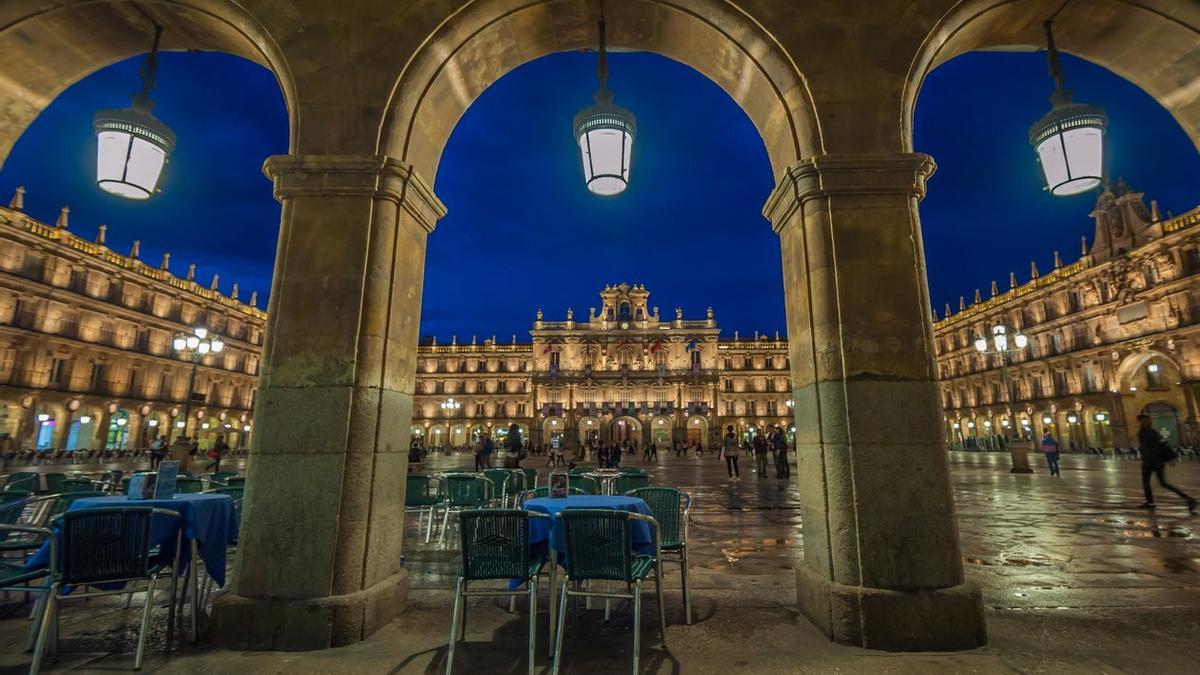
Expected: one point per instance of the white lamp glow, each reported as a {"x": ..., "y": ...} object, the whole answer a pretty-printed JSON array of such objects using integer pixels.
[{"x": 604, "y": 133}]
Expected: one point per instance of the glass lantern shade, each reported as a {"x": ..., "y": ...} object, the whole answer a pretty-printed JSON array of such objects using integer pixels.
[
  {"x": 180, "y": 343},
  {"x": 217, "y": 345},
  {"x": 132, "y": 147},
  {"x": 605, "y": 136},
  {"x": 1021, "y": 341},
  {"x": 981, "y": 344},
  {"x": 204, "y": 347},
  {"x": 1069, "y": 142},
  {"x": 192, "y": 342}
]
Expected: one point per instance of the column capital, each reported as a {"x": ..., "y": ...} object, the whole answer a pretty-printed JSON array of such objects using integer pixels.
[
  {"x": 377, "y": 176},
  {"x": 828, "y": 175}
]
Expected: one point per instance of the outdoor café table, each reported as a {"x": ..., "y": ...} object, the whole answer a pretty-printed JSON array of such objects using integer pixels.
[
  {"x": 543, "y": 533},
  {"x": 607, "y": 478},
  {"x": 209, "y": 524}
]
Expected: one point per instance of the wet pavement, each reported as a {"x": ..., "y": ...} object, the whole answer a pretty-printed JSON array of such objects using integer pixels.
[{"x": 1074, "y": 579}]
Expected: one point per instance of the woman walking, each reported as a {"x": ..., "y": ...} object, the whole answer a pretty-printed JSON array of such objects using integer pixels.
[
  {"x": 1050, "y": 450},
  {"x": 731, "y": 449}
]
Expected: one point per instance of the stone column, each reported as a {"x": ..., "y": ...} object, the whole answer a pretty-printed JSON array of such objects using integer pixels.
[
  {"x": 882, "y": 566},
  {"x": 324, "y": 511}
]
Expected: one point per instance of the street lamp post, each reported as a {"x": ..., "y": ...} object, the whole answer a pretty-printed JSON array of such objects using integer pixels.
[
  {"x": 1002, "y": 347},
  {"x": 196, "y": 345},
  {"x": 450, "y": 405}
]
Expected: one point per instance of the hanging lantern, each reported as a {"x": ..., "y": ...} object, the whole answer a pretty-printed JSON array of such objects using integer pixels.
[
  {"x": 132, "y": 145},
  {"x": 1069, "y": 140},
  {"x": 604, "y": 133}
]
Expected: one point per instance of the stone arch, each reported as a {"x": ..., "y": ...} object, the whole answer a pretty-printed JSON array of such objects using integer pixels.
[
  {"x": 1131, "y": 364},
  {"x": 1151, "y": 43},
  {"x": 103, "y": 32},
  {"x": 475, "y": 47}
]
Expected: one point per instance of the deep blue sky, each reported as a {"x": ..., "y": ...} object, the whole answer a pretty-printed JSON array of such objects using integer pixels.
[{"x": 524, "y": 233}]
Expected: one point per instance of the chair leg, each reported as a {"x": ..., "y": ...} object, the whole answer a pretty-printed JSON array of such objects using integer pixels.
[
  {"x": 141, "y": 643},
  {"x": 458, "y": 599},
  {"x": 429, "y": 528},
  {"x": 558, "y": 633},
  {"x": 687, "y": 590},
  {"x": 533, "y": 612},
  {"x": 173, "y": 606},
  {"x": 662, "y": 612},
  {"x": 37, "y": 615},
  {"x": 445, "y": 525},
  {"x": 637, "y": 624},
  {"x": 39, "y": 647}
]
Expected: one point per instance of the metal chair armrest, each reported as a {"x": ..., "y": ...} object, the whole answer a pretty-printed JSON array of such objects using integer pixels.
[{"x": 654, "y": 526}]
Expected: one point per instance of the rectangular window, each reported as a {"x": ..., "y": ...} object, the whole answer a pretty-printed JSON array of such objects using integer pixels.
[
  {"x": 770, "y": 362},
  {"x": 57, "y": 366},
  {"x": 97, "y": 378},
  {"x": 728, "y": 385},
  {"x": 750, "y": 408}
]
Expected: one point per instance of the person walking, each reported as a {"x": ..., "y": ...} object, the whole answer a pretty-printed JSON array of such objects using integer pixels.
[
  {"x": 1050, "y": 450},
  {"x": 653, "y": 452},
  {"x": 515, "y": 449},
  {"x": 779, "y": 447},
  {"x": 489, "y": 447},
  {"x": 731, "y": 449},
  {"x": 218, "y": 450},
  {"x": 158, "y": 450},
  {"x": 759, "y": 443},
  {"x": 615, "y": 455},
  {"x": 479, "y": 453},
  {"x": 1155, "y": 454}
]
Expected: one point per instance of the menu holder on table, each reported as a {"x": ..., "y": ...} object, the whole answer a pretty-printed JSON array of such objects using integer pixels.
[
  {"x": 141, "y": 486},
  {"x": 168, "y": 475},
  {"x": 559, "y": 483}
]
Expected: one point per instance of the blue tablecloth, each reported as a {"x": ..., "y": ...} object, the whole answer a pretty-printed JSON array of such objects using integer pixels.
[
  {"x": 207, "y": 518},
  {"x": 540, "y": 530}
]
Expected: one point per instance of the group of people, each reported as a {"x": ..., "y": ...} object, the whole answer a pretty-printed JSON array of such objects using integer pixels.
[
  {"x": 773, "y": 441},
  {"x": 1154, "y": 451}
]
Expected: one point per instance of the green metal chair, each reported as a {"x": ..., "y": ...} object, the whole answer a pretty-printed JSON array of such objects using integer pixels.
[
  {"x": 587, "y": 485},
  {"x": 233, "y": 481},
  {"x": 54, "y": 483},
  {"x": 15, "y": 577},
  {"x": 186, "y": 485},
  {"x": 531, "y": 478},
  {"x": 78, "y": 485},
  {"x": 599, "y": 545},
  {"x": 506, "y": 482},
  {"x": 26, "y": 481},
  {"x": 222, "y": 476},
  {"x": 495, "y": 547},
  {"x": 62, "y": 501},
  {"x": 633, "y": 481},
  {"x": 13, "y": 506},
  {"x": 105, "y": 546},
  {"x": 580, "y": 470},
  {"x": 420, "y": 498},
  {"x": 459, "y": 492},
  {"x": 631, "y": 469},
  {"x": 672, "y": 508},
  {"x": 544, "y": 491}
]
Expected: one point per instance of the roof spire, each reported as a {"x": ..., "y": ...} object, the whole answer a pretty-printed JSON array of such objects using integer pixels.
[
  {"x": 947, "y": 312},
  {"x": 234, "y": 295},
  {"x": 1012, "y": 279},
  {"x": 962, "y": 303},
  {"x": 1033, "y": 273},
  {"x": 934, "y": 312},
  {"x": 17, "y": 203},
  {"x": 1057, "y": 260},
  {"x": 254, "y": 298},
  {"x": 166, "y": 262},
  {"x": 136, "y": 249},
  {"x": 977, "y": 299},
  {"x": 191, "y": 275},
  {"x": 995, "y": 289},
  {"x": 1155, "y": 214},
  {"x": 64, "y": 218},
  {"x": 101, "y": 234},
  {"x": 215, "y": 282},
  {"x": 1083, "y": 245}
]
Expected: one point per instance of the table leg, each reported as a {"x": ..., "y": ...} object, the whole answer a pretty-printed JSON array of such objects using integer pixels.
[
  {"x": 553, "y": 599},
  {"x": 194, "y": 579}
]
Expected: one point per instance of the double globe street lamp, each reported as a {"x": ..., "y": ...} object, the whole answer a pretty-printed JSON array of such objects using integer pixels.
[
  {"x": 1001, "y": 345},
  {"x": 195, "y": 345}
]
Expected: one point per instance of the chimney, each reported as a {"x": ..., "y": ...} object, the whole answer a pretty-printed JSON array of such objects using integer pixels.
[{"x": 17, "y": 203}]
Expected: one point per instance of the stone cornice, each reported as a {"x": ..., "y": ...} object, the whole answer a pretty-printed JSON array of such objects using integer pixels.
[
  {"x": 826, "y": 175},
  {"x": 377, "y": 176}
]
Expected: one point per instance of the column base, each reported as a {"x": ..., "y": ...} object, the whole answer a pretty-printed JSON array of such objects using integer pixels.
[
  {"x": 944, "y": 619},
  {"x": 314, "y": 623},
  {"x": 1018, "y": 469}
]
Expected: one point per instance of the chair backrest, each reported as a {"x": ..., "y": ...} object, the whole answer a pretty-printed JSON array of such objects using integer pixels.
[
  {"x": 54, "y": 482},
  {"x": 465, "y": 489},
  {"x": 580, "y": 470},
  {"x": 21, "y": 480},
  {"x": 235, "y": 480},
  {"x": 632, "y": 481},
  {"x": 416, "y": 489},
  {"x": 222, "y": 476},
  {"x": 531, "y": 476},
  {"x": 585, "y": 484},
  {"x": 105, "y": 544},
  {"x": 9, "y": 496},
  {"x": 500, "y": 479},
  {"x": 77, "y": 485},
  {"x": 599, "y": 544},
  {"x": 632, "y": 469},
  {"x": 12, "y": 507},
  {"x": 63, "y": 500},
  {"x": 495, "y": 544},
  {"x": 544, "y": 491},
  {"x": 185, "y": 485},
  {"x": 670, "y": 507}
]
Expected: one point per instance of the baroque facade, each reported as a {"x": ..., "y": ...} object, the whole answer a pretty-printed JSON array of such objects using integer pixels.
[
  {"x": 86, "y": 357},
  {"x": 1110, "y": 336},
  {"x": 623, "y": 374}
]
